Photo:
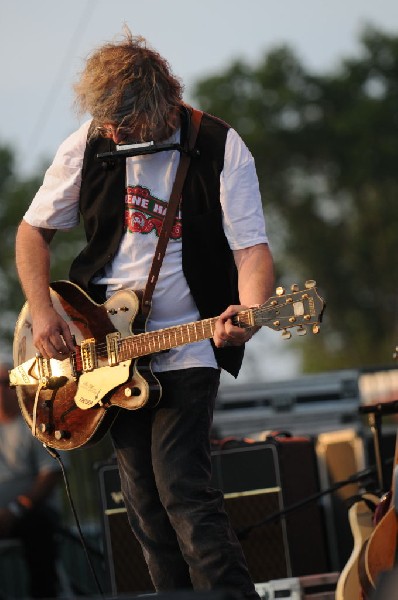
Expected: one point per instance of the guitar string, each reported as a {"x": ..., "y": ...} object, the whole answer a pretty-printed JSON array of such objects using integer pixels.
[
  {"x": 147, "y": 338},
  {"x": 148, "y": 342}
]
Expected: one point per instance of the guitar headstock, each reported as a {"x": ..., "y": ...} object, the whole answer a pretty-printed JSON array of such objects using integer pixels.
[{"x": 300, "y": 309}]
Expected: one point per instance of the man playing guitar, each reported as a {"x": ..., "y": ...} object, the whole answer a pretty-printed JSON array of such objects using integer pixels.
[{"x": 217, "y": 262}]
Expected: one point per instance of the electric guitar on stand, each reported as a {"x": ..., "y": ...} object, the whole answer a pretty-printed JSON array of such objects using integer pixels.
[
  {"x": 71, "y": 403},
  {"x": 361, "y": 517}
]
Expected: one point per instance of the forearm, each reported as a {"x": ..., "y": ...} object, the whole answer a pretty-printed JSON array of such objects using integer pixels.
[
  {"x": 51, "y": 333},
  {"x": 256, "y": 282},
  {"x": 255, "y": 274},
  {"x": 33, "y": 265}
]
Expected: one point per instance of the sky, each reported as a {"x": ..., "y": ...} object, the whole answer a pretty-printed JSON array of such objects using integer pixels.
[{"x": 43, "y": 45}]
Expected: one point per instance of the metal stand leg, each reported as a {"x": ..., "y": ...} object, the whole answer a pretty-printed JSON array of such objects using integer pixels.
[{"x": 375, "y": 426}]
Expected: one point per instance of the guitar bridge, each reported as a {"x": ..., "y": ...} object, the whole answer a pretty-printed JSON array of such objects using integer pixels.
[
  {"x": 44, "y": 370},
  {"x": 49, "y": 377}
]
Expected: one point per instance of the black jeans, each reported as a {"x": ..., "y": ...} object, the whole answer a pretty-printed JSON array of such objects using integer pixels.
[{"x": 164, "y": 461}]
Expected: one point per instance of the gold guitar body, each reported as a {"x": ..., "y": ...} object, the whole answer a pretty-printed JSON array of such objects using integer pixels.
[{"x": 71, "y": 410}]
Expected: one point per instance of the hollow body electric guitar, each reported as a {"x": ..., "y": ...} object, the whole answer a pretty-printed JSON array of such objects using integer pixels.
[
  {"x": 71, "y": 403},
  {"x": 380, "y": 551},
  {"x": 360, "y": 516}
]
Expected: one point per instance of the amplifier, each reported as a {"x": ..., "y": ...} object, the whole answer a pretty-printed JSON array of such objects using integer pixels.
[
  {"x": 259, "y": 482},
  {"x": 267, "y": 479}
]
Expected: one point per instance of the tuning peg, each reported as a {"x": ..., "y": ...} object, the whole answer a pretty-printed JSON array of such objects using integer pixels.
[
  {"x": 316, "y": 328},
  {"x": 301, "y": 330},
  {"x": 286, "y": 335},
  {"x": 280, "y": 291},
  {"x": 294, "y": 287},
  {"x": 395, "y": 354},
  {"x": 310, "y": 283}
]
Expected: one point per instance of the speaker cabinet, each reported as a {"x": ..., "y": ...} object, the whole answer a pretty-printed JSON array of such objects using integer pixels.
[{"x": 259, "y": 482}]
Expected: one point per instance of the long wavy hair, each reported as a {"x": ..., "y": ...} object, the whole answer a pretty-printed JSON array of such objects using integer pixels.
[{"x": 127, "y": 83}]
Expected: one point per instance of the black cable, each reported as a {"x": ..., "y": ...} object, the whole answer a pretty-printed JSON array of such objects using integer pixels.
[
  {"x": 57, "y": 457},
  {"x": 360, "y": 475}
]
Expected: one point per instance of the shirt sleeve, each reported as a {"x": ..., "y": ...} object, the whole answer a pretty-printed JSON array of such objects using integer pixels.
[
  {"x": 56, "y": 204},
  {"x": 243, "y": 216}
]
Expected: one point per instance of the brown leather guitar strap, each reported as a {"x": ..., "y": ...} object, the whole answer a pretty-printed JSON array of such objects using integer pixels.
[{"x": 164, "y": 235}]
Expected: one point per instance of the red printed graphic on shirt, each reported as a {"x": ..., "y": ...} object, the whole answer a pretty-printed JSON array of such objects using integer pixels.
[{"x": 145, "y": 213}]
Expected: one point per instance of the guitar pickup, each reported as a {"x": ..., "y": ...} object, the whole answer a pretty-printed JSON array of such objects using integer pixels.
[
  {"x": 112, "y": 345},
  {"x": 88, "y": 355}
]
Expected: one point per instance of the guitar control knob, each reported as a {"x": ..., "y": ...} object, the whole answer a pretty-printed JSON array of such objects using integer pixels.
[
  {"x": 61, "y": 434},
  {"x": 134, "y": 391},
  {"x": 45, "y": 427}
]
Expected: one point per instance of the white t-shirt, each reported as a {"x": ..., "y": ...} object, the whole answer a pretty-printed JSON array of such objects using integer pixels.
[{"x": 149, "y": 180}]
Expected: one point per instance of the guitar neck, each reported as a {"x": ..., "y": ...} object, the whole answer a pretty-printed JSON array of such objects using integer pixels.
[
  {"x": 299, "y": 309},
  {"x": 164, "y": 339}
]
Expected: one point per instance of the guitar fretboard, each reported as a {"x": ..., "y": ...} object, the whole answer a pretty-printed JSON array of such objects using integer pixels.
[{"x": 171, "y": 337}]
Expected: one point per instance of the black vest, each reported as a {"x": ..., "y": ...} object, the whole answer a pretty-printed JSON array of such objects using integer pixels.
[{"x": 207, "y": 260}]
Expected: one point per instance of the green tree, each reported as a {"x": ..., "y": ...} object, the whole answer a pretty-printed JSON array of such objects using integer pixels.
[
  {"x": 15, "y": 195},
  {"x": 326, "y": 152}
]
